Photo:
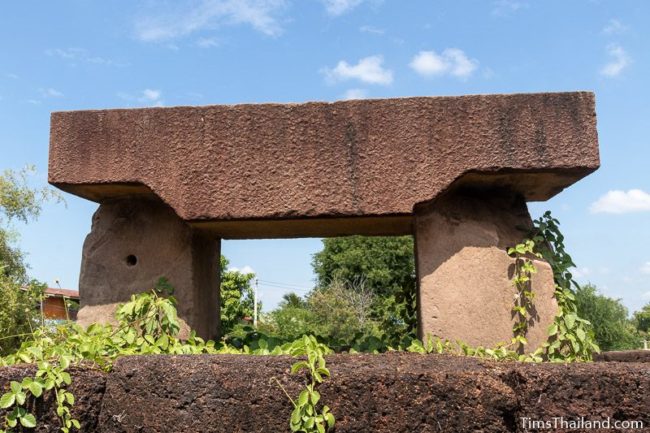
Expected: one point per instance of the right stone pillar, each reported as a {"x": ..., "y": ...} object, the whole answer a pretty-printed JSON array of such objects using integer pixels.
[{"x": 465, "y": 291}]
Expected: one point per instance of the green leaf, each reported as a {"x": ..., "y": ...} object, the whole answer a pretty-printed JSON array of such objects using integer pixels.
[
  {"x": 570, "y": 320},
  {"x": 64, "y": 362},
  {"x": 7, "y": 400},
  {"x": 36, "y": 351},
  {"x": 298, "y": 366},
  {"x": 36, "y": 389},
  {"x": 330, "y": 420},
  {"x": 303, "y": 398},
  {"x": 15, "y": 387},
  {"x": 28, "y": 421},
  {"x": 295, "y": 416},
  {"x": 130, "y": 337},
  {"x": 315, "y": 396}
]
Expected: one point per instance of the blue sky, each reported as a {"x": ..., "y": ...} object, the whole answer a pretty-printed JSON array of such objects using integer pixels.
[{"x": 87, "y": 55}]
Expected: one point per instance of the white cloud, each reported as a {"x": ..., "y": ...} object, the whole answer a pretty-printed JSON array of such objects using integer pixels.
[
  {"x": 148, "y": 97},
  {"x": 245, "y": 270},
  {"x": 355, "y": 94},
  {"x": 207, "y": 42},
  {"x": 78, "y": 54},
  {"x": 372, "y": 30},
  {"x": 451, "y": 61},
  {"x": 50, "y": 93},
  {"x": 339, "y": 7},
  {"x": 614, "y": 27},
  {"x": 368, "y": 70},
  {"x": 208, "y": 14},
  {"x": 506, "y": 7},
  {"x": 646, "y": 295},
  {"x": 66, "y": 53},
  {"x": 619, "y": 202},
  {"x": 620, "y": 60},
  {"x": 12, "y": 76},
  {"x": 645, "y": 268},
  {"x": 581, "y": 272},
  {"x": 151, "y": 95}
]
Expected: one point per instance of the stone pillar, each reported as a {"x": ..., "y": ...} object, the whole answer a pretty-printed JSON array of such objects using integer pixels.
[
  {"x": 134, "y": 242},
  {"x": 465, "y": 290}
]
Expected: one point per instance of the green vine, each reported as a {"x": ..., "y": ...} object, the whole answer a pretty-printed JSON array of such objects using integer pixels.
[
  {"x": 306, "y": 417},
  {"x": 522, "y": 280},
  {"x": 147, "y": 324},
  {"x": 571, "y": 338}
]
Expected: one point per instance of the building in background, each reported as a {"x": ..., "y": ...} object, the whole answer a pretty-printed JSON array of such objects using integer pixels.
[{"x": 60, "y": 304}]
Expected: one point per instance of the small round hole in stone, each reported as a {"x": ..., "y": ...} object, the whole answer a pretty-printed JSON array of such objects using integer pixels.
[{"x": 131, "y": 260}]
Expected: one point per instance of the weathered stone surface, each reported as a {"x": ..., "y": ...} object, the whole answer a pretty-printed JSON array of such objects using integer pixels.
[
  {"x": 378, "y": 393},
  {"x": 624, "y": 356},
  {"x": 323, "y": 169},
  {"x": 465, "y": 274},
  {"x": 595, "y": 391},
  {"x": 250, "y": 170},
  {"x": 391, "y": 393},
  {"x": 134, "y": 242},
  {"x": 88, "y": 386}
]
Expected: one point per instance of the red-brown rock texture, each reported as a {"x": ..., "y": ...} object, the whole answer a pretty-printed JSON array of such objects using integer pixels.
[
  {"x": 624, "y": 356},
  {"x": 374, "y": 167},
  {"x": 388, "y": 393},
  {"x": 465, "y": 274},
  {"x": 324, "y": 163},
  {"x": 135, "y": 242}
]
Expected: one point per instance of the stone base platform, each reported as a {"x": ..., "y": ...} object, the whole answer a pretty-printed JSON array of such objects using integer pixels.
[{"x": 395, "y": 392}]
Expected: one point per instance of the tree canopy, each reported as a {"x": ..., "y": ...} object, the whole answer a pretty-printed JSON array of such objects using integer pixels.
[
  {"x": 642, "y": 319},
  {"x": 237, "y": 297},
  {"x": 18, "y": 312},
  {"x": 609, "y": 317},
  {"x": 365, "y": 287}
]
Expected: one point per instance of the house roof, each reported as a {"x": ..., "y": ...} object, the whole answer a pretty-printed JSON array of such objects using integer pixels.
[{"x": 67, "y": 293}]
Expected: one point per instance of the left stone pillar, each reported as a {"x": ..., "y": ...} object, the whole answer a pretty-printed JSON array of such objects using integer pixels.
[{"x": 134, "y": 242}]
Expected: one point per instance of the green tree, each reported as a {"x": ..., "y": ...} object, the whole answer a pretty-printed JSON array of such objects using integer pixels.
[
  {"x": 291, "y": 300},
  {"x": 20, "y": 297},
  {"x": 339, "y": 313},
  {"x": 609, "y": 317},
  {"x": 387, "y": 267},
  {"x": 237, "y": 297},
  {"x": 290, "y": 320},
  {"x": 642, "y": 319}
]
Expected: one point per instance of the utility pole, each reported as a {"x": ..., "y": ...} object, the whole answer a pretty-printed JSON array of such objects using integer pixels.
[{"x": 255, "y": 305}]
